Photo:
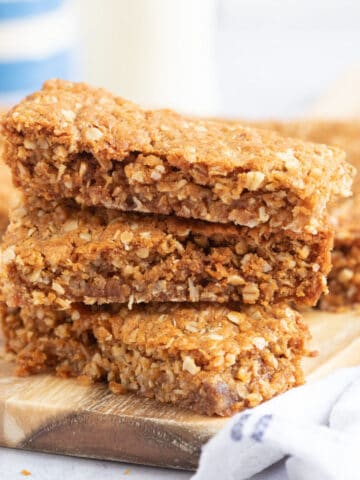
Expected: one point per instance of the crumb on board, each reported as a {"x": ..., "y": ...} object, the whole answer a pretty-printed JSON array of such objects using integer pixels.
[{"x": 25, "y": 473}]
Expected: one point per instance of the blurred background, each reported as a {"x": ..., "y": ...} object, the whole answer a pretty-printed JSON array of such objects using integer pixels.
[{"x": 233, "y": 58}]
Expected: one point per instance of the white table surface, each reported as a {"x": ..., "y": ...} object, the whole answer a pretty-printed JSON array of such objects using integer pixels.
[{"x": 56, "y": 467}]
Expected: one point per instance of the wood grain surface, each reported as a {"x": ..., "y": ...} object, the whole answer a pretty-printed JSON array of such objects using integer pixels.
[{"x": 62, "y": 416}]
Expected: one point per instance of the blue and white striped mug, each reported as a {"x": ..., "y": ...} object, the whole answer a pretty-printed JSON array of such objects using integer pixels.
[{"x": 37, "y": 42}]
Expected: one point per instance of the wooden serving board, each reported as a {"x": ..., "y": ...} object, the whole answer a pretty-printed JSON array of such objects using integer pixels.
[{"x": 61, "y": 416}]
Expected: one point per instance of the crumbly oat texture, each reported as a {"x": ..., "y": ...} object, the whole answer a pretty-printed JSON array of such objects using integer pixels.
[
  {"x": 7, "y": 192},
  {"x": 59, "y": 253},
  {"x": 344, "y": 278},
  {"x": 5, "y": 195},
  {"x": 209, "y": 358},
  {"x": 344, "y": 134},
  {"x": 73, "y": 141}
]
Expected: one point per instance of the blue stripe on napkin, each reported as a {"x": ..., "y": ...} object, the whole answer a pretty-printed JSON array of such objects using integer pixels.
[
  {"x": 12, "y": 9},
  {"x": 30, "y": 74}
]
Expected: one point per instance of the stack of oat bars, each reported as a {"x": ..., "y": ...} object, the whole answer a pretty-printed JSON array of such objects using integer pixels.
[
  {"x": 344, "y": 278},
  {"x": 160, "y": 253}
]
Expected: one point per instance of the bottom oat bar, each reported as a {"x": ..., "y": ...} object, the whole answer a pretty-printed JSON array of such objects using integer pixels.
[{"x": 208, "y": 358}]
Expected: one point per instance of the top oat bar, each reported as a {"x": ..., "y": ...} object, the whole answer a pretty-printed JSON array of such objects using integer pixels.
[
  {"x": 343, "y": 133},
  {"x": 70, "y": 140}
]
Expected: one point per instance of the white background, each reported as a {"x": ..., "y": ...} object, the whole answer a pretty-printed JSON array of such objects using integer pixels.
[
  {"x": 272, "y": 57},
  {"x": 276, "y": 57}
]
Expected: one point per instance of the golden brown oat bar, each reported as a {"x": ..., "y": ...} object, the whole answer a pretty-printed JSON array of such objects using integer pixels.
[
  {"x": 209, "y": 358},
  {"x": 7, "y": 193},
  {"x": 344, "y": 278},
  {"x": 73, "y": 141},
  {"x": 61, "y": 254},
  {"x": 341, "y": 133}
]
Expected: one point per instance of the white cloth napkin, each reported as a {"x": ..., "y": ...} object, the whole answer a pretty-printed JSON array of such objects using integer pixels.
[{"x": 317, "y": 426}]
